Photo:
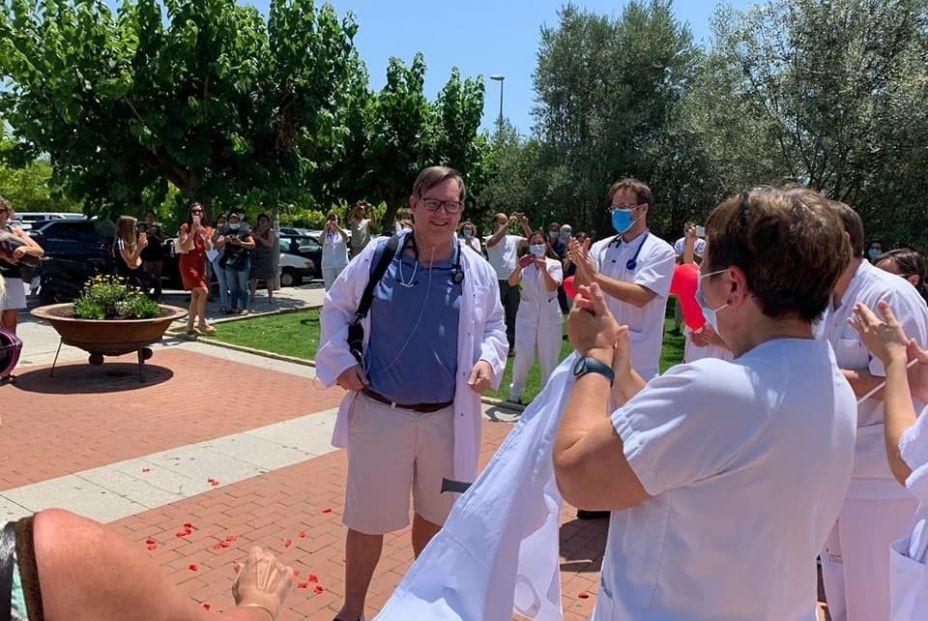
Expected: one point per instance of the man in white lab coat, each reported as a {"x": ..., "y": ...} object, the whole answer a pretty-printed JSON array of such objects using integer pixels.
[
  {"x": 878, "y": 509},
  {"x": 434, "y": 340}
]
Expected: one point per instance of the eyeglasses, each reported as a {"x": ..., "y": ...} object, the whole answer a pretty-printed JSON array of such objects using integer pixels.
[
  {"x": 433, "y": 204},
  {"x": 616, "y": 207}
]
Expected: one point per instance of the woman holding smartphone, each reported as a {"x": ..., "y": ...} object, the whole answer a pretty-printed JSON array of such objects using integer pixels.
[
  {"x": 128, "y": 246},
  {"x": 539, "y": 319},
  {"x": 195, "y": 239}
]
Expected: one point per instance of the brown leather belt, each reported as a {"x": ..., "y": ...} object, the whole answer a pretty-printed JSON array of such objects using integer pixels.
[{"x": 422, "y": 408}]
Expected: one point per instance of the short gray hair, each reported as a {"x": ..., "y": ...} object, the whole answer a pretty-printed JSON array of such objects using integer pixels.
[{"x": 433, "y": 175}]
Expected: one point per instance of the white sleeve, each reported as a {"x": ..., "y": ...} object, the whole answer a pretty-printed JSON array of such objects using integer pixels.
[
  {"x": 656, "y": 272},
  {"x": 685, "y": 425},
  {"x": 556, "y": 270},
  {"x": 678, "y": 247},
  {"x": 338, "y": 311},
  {"x": 700, "y": 247}
]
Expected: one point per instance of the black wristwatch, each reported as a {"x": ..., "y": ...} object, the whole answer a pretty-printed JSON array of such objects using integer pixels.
[{"x": 586, "y": 364}]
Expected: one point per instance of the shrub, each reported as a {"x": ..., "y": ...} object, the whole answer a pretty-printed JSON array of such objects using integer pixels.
[{"x": 109, "y": 297}]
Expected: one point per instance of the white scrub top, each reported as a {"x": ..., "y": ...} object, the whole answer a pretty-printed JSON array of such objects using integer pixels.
[
  {"x": 504, "y": 255},
  {"x": 873, "y": 479},
  {"x": 736, "y": 521},
  {"x": 654, "y": 269},
  {"x": 538, "y": 306},
  {"x": 681, "y": 243}
]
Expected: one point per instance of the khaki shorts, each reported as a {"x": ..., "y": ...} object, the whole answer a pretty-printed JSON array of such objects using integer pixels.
[{"x": 390, "y": 452}]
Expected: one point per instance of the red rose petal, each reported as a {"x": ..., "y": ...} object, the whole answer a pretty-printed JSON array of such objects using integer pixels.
[
  {"x": 213, "y": 483},
  {"x": 230, "y": 538},
  {"x": 584, "y": 595},
  {"x": 318, "y": 589},
  {"x": 193, "y": 567},
  {"x": 206, "y": 605},
  {"x": 313, "y": 578},
  {"x": 187, "y": 525},
  {"x": 302, "y": 585},
  {"x": 152, "y": 546},
  {"x": 327, "y": 511},
  {"x": 288, "y": 543},
  {"x": 219, "y": 545},
  {"x": 296, "y": 572},
  {"x": 150, "y": 541},
  {"x": 301, "y": 534}
]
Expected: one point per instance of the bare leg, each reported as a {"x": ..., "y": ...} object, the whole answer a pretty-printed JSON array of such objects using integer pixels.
[
  {"x": 201, "y": 308},
  {"x": 422, "y": 533},
  {"x": 192, "y": 311},
  {"x": 88, "y": 573},
  {"x": 362, "y": 552},
  {"x": 8, "y": 320}
]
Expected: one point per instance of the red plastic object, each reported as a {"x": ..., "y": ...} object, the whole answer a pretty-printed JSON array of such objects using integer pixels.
[{"x": 684, "y": 284}]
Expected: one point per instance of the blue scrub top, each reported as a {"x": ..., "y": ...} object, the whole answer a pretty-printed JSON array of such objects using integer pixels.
[{"x": 412, "y": 352}]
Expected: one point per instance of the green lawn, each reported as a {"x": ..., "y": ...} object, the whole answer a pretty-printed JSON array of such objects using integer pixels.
[{"x": 297, "y": 335}]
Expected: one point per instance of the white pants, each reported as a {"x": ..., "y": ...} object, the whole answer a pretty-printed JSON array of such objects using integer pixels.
[
  {"x": 329, "y": 274},
  {"x": 546, "y": 339},
  {"x": 855, "y": 562}
]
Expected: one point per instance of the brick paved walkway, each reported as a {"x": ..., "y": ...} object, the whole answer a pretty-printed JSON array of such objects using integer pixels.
[{"x": 88, "y": 417}]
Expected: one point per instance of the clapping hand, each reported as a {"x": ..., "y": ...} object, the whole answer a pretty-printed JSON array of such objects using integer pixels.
[
  {"x": 591, "y": 328},
  {"x": 579, "y": 255},
  {"x": 888, "y": 341}
]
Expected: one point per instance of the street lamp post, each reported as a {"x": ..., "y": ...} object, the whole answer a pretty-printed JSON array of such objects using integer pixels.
[{"x": 499, "y": 78}]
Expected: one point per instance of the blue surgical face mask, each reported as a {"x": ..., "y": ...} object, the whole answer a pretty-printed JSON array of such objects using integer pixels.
[
  {"x": 537, "y": 249},
  {"x": 622, "y": 220},
  {"x": 552, "y": 234},
  {"x": 565, "y": 236},
  {"x": 873, "y": 253},
  {"x": 710, "y": 314},
  {"x": 467, "y": 233}
]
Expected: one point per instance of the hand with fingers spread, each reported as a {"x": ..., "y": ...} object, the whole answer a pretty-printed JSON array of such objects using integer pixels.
[
  {"x": 885, "y": 339},
  {"x": 888, "y": 341},
  {"x": 262, "y": 582},
  {"x": 591, "y": 328}
]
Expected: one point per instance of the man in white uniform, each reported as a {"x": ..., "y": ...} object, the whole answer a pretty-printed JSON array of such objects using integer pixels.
[
  {"x": 503, "y": 253},
  {"x": 855, "y": 562},
  {"x": 634, "y": 269},
  {"x": 722, "y": 486}
]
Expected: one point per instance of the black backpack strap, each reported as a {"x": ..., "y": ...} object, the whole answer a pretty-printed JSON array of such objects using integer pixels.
[{"x": 380, "y": 269}]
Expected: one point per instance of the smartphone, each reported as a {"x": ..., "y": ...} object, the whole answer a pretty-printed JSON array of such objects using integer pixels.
[
  {"x": 526, "y": 260},
  {"x": 196, "y": 219},
  {"x": 700, "y": 231}
]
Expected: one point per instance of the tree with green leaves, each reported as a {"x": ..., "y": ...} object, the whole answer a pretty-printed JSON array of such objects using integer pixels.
[
  {"x": 200, "y": 94},
  {"x": 830, "y": 94},
  {"x": 607, "y": 90}
]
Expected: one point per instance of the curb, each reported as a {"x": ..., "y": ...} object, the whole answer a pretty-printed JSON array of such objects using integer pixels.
[{"x": 207, "y": 340}]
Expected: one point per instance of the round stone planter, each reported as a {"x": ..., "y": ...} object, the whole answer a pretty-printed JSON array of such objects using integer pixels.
[{"x": 108, "y": 337}]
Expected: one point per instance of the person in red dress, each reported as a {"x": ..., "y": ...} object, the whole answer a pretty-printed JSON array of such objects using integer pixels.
[{"x": 195, "y": 239}]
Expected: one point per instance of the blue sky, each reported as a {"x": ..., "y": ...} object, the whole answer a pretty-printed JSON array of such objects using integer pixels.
[{"x": 480, "y": 37}]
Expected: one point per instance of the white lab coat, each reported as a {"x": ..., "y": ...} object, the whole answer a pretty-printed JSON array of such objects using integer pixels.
[
  {"x": 538, "y": 326},
  {"x": 481, "y": 336},
  {"x": 909, "y": 555}
]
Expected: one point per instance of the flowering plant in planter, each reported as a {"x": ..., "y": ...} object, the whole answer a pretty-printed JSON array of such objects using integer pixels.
[{"x": 109, "y": 297}]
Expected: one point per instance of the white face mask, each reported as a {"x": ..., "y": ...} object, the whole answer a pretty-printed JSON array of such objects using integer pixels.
[
  {"x": 234, "y": 226},
  {"x": 710, "y": 314},
  {"x": 537, "y": 249}
]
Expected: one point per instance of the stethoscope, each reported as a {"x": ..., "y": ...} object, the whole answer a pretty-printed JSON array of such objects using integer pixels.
[
  {"x": 632, "y": 263},
  {"x": 457, "y": 276}
]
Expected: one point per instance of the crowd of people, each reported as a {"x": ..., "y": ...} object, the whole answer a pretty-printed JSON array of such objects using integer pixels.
[{"x": 803, "y": 383}]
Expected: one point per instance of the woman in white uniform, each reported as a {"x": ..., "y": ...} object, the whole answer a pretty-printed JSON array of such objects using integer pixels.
[
  {"x": 906, "y": 439},
  {"x": 706, "y": 469},
  {"x": 539, "y": 318}
]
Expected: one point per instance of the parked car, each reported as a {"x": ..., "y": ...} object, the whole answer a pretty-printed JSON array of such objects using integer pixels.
[
  {"x": 295, "y": 250},
  {"x": 75, "y": 250}
]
